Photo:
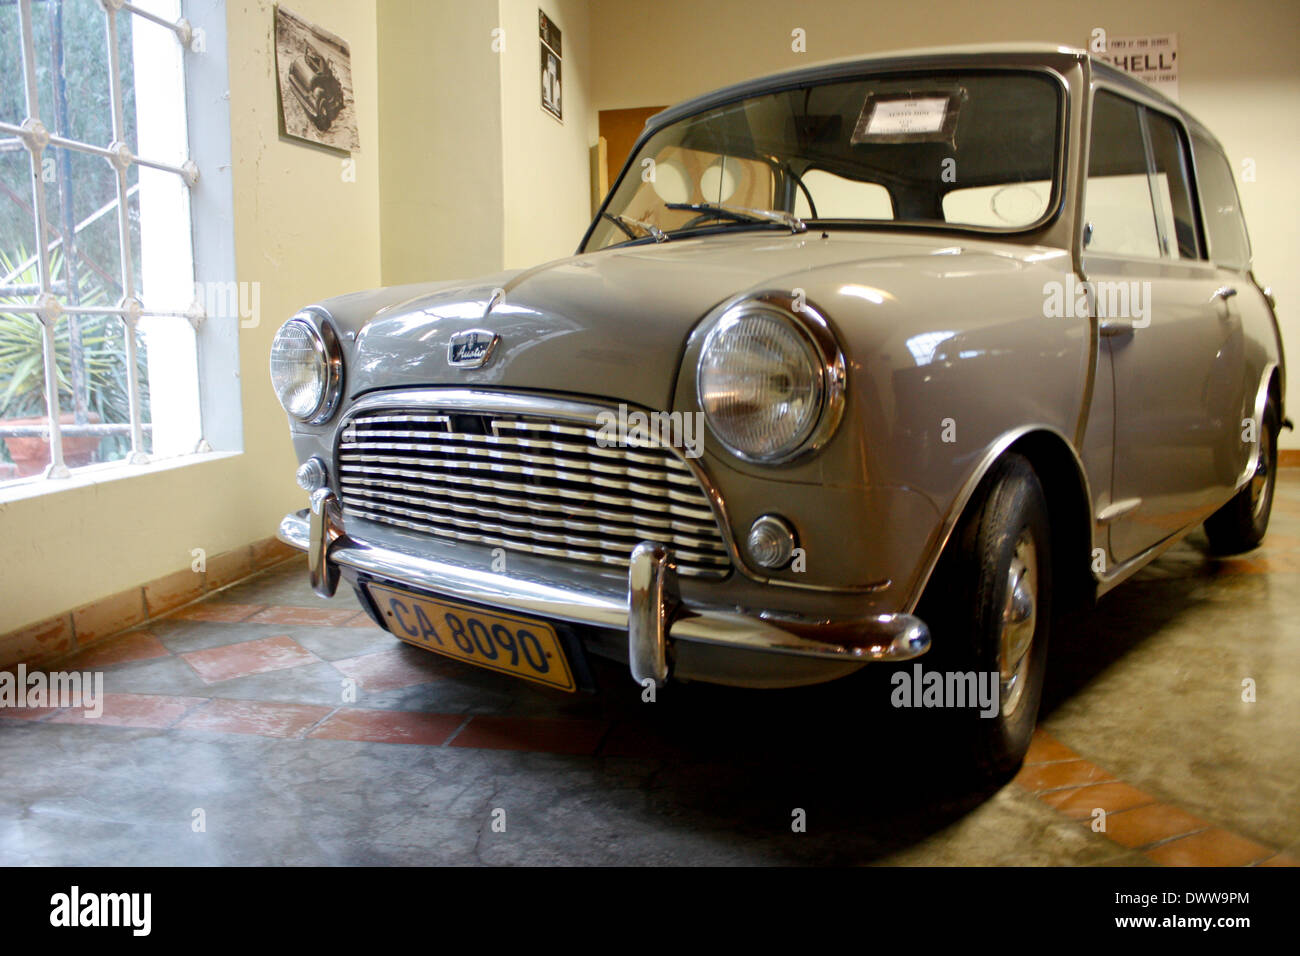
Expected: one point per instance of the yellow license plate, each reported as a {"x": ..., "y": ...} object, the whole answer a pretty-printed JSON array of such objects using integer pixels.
[{"x": 512, "y": 645}]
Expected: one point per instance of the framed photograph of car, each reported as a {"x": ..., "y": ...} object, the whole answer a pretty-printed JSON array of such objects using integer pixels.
[{"x": 314, "y": 71}]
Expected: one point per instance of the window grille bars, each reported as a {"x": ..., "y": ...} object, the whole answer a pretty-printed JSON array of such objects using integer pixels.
[{"x": 48, "y": 307}]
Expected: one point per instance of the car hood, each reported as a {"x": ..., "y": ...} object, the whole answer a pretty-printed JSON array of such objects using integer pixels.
[{"x": 614, "y": 323}]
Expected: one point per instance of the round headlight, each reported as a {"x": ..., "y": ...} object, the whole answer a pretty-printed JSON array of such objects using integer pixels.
[
  {"x": 306, "y": 369},
  {"x": 762, "y": 383}
]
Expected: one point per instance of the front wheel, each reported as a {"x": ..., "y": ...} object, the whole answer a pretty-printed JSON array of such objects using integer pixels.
[
  {"x": 989, "y": 610},
  {"x": 1240, "y": 524}
]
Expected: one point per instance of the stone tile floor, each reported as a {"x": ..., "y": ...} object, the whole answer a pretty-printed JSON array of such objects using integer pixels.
[{"x": 232, "y": 712}]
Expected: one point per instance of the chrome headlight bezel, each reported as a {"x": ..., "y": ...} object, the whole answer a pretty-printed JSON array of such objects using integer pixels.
[
  {"x": 824, "y": 354},
  {"x": 329, "y": 358}
]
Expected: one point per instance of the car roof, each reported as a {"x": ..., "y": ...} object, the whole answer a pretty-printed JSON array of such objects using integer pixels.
[{"x": 965, "y": 55}]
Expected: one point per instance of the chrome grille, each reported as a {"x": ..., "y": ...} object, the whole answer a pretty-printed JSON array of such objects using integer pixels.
[{"x": 526, "y": 484}]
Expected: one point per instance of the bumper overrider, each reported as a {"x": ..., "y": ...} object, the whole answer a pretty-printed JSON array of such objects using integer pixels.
[{"x": 665, "y": 636}]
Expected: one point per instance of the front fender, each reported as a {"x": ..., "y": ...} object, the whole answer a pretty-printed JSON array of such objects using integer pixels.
[{"x": 949, "y": 363}]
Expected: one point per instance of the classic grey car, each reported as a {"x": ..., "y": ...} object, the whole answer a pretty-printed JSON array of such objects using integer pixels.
[{"x": 876, "y": 359}]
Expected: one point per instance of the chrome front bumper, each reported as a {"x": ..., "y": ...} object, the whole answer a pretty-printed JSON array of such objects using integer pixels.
[{"x": 648, "y": 608}]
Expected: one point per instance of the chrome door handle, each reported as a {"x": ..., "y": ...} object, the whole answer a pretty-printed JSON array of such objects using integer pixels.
[
  {"x": 1116, "y": 326},
  {"x": 1224, "y": 292}
]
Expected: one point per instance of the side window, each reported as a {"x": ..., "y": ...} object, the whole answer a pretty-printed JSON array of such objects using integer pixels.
[
  {"x": 1172, "y": 185},
  {"x": 1224, "y": 226},
  {"x": 840, "y": 198},
  {"x": 1118, "y": 203}
]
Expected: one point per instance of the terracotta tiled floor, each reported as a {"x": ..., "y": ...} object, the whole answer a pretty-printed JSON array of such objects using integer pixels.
[
  {"x": 263, "y": 718},
  {"x": 388, "y": 727},
  {"x": 1054, "y": 776},
  {"x": 310, "y": 616},
  {"x": 308, "y": 735},
  {"x": 1213, "y": 847},
  {"x": 1143, "y": 826},
  {"x": 391, "y": 670},
  {"x": 133, "y": 646},
  {"x": 132, "y": 710},
  {"x": 227, "y": 613},
  {"x": 1081, "y": 802},
  {"x": 224, "y": 663}
]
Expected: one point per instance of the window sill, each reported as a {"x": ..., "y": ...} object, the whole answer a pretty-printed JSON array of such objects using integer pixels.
[{"x": 92, "y": 475}]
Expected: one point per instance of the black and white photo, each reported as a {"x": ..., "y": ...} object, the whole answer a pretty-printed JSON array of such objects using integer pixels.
[{"x": 314, "y": 69}]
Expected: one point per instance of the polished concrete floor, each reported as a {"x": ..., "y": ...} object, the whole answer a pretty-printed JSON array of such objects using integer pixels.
[{"x": 227, "y": 739}]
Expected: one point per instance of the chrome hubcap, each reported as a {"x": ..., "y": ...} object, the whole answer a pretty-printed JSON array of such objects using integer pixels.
[
  {"x": 1263, "y": 473},
  {"x": 1019, "y": 619}
]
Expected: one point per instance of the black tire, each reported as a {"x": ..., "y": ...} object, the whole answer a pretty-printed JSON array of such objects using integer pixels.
[
  {"x": 965, "y": 604},
  {"x": 1240, "y": 524}
]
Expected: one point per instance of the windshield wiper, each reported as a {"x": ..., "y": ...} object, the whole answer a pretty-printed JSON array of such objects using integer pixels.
[
  {"x": 626, "y": 222},
  {"x": 744, "y": 214}
]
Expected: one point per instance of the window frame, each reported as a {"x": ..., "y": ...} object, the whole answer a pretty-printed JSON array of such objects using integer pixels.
[
  {"x": 1167, "y": 242},
  {"x": 1161, "y": 242},
  {"x": 1061, "y": 160},
  {"x": 1208, "y": 246},
  {"x": 1205, "y": 255},
  {"x": 205, "y": 79}
]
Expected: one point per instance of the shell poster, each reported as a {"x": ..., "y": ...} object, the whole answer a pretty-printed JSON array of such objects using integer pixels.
[{"x": 1151, "y": 59}]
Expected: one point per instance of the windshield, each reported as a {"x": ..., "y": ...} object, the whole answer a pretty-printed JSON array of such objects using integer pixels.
[{"x": 955, "y": 150}]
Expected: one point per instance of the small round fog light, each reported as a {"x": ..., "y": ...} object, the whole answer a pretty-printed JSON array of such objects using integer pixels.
[
  {"x": 311, "y": 474},
  {"x": 771, "y": 542}
]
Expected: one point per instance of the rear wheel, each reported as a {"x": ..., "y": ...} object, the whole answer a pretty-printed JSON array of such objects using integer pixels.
[
  {"x": 989, "y": 611},
  {"x": 1240, "y": 524}
]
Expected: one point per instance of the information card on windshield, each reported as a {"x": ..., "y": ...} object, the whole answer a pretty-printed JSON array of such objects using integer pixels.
[{"x": 907, "y": 117}]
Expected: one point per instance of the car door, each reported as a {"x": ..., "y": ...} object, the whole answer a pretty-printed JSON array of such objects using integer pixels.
[{"x": 1170, "y": 342}]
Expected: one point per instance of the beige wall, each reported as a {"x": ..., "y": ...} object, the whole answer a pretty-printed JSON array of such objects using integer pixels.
[
  {"x": 1239, "y": 74},
  {"x": 475, "y": 176},
  {"x": 303, "y": 233},
  {"x": 547, "y": 168},
  {"x": 441, "y": 184}
]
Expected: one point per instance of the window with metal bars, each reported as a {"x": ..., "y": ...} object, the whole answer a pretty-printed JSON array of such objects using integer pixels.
[{"x": 99, "y": 356}]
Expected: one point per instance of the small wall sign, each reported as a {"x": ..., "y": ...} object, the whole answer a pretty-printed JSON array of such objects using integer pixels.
[
  {"x": 551, "y": 62},
  {"x": 1151, "y": 59}
]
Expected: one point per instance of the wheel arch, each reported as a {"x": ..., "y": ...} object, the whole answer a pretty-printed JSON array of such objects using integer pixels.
[
  {"x": 1069, "y": 507},
  {"x": 1269, "y": 389},
  {"x": 1274, "y": 388}
]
